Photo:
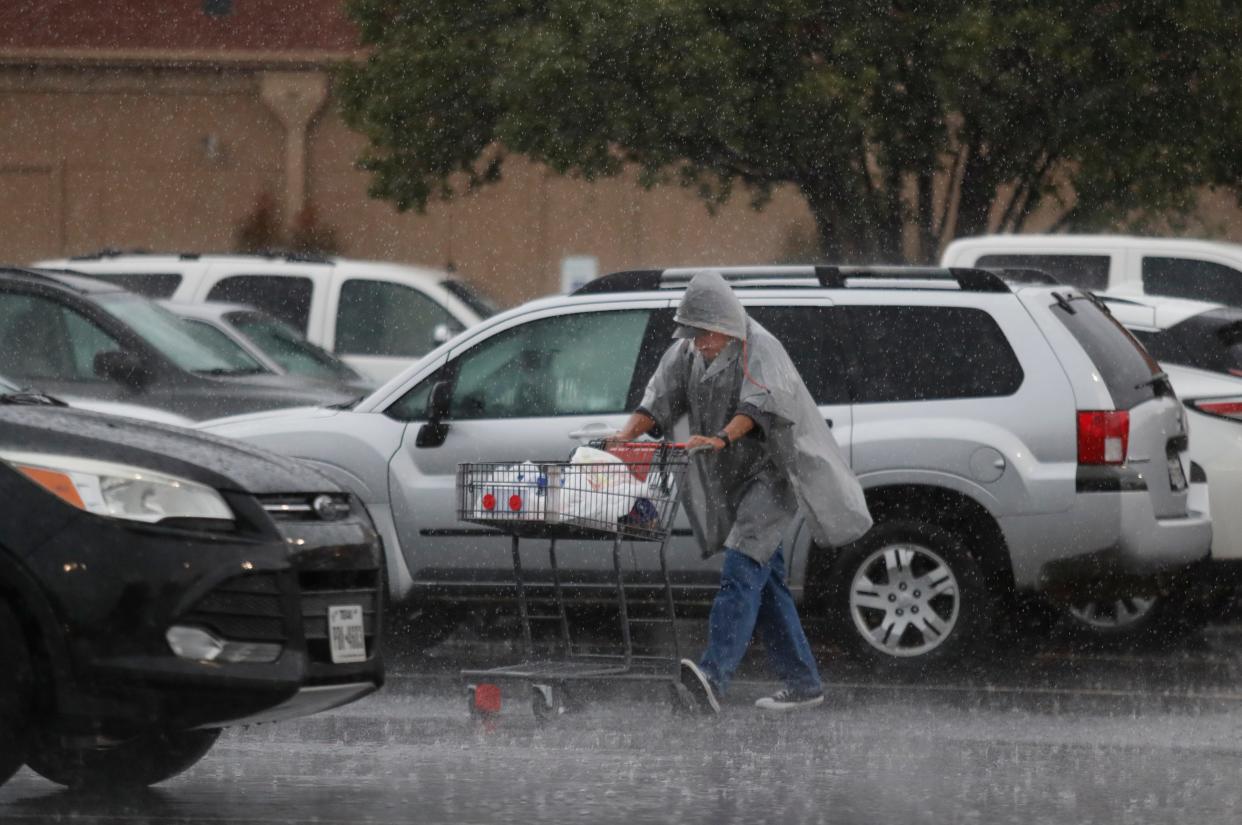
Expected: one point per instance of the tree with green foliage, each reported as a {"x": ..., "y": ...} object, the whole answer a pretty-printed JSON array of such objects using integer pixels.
[{"x": 941, "y": 117}]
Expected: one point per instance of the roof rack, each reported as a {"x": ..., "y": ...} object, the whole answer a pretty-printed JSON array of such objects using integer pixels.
[
  {"x": 822, "y": 277},
  {"x": 288, "y": 255}
]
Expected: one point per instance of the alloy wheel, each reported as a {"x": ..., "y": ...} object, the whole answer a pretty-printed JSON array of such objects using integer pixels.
[
  {"x": 1118, "y": 614},
  {"x": 904, "y": 600}
]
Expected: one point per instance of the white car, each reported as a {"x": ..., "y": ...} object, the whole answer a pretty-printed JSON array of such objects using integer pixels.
[
  {"x": 1118, "y": 264},
  {"x": 1199, "y": 346},
  {"x": 378, "y": 317}
]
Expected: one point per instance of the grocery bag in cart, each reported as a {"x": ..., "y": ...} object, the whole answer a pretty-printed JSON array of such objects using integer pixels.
[{"x": 598, "y": 489}]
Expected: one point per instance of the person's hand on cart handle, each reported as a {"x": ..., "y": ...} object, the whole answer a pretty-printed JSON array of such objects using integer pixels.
[{"x": 704, "y": 442}]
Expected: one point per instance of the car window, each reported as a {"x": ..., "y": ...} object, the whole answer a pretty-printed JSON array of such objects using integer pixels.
[
  {"x": 175, "y": 339},
  {"x": 1124, "y": 365},
  {"x": 1188, "y": 278},
  {"x": 565, "y": 365},
  {"x": 1085, "y": 271},
  {"x": 219, "y": 341},
  {"x": 908, "y": 353},
  {"x": 811, "y": 337},
  {"x": 286, "y": 297},
  {"x": 150, "y": 284},
  {"x": 44, "y": 339},
  {"x": 1208, "y": 341},
  {"x": 385, "y": 318},
  {"x": 286, "y": 347}
]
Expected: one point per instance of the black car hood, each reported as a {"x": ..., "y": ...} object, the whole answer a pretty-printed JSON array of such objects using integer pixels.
[{"x": 197, "y": 456}]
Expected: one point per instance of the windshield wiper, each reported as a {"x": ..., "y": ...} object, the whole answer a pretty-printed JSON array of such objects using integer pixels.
[
  {"x": 1156, "y": 378},
  {"x": 31, "y": 398},
  {"x": 345, "y": 405},
  {"x": 219, "y": 371}
]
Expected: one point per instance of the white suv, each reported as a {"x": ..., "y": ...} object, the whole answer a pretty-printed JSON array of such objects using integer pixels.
[
  {"x": 378, "y": 317},
  {"x": 1009, "y": 441},
  {"x": 1176, "y": 267}
]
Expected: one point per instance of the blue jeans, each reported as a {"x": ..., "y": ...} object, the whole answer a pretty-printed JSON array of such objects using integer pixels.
[{"x": 754, "y": 596}]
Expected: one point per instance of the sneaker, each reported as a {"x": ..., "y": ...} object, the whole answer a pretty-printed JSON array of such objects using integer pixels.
[
  {"x": 786, "y": 699},
  {"x": 700, "y": 687}
]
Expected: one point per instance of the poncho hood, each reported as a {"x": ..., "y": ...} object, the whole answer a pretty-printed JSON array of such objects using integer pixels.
[{"x": 710, "y": 304}]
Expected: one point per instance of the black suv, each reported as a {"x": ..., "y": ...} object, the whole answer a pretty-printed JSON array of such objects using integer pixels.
[
  {"x": 158, "y": 584},
  {"x": 74, "y": 336}
]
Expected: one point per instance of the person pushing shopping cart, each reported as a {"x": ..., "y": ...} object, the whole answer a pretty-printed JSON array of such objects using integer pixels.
[{"x": 770, "y": 453}]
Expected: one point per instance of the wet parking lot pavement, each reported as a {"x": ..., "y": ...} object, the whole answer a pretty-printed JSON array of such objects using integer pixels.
[{"x": 1043, "y": 736}]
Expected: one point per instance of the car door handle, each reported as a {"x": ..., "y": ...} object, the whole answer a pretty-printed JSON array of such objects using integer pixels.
[
  {"x": 828, "y": 421},
  {"x": 596, "y": 430}
]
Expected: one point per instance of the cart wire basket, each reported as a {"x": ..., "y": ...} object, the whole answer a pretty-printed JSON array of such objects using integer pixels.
[
  {"x": 629, "y": 494},
  {"x": 633, "y": 497}
]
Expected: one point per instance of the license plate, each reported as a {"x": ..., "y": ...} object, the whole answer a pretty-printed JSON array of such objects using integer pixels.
[
  {"x": 347, "y": 640},
  {"x": 1177, "y": 477}
]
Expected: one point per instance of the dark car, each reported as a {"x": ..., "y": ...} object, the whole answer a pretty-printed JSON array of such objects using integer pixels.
[
  {"x": 75, "y": 336},
  {"x": 158, "y": 584}
]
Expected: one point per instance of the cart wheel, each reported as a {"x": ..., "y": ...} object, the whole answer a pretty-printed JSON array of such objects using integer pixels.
[{"x": 548, "y": 702}]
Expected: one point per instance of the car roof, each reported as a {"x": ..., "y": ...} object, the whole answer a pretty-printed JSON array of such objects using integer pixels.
[
  {"x": 215, "y": 310},
  {"x": 423, "y": 273},
  {"x": 1060, "y": 243},
  {"x": 814, "y": 276},
  {"x": 68, "y": 279}
]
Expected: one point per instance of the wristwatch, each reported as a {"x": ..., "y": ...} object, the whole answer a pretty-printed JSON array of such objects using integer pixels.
[{"x": 724, "y": 436}]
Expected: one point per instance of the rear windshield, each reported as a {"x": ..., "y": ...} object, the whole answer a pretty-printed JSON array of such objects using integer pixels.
[{"x": 1123, "y": 364}]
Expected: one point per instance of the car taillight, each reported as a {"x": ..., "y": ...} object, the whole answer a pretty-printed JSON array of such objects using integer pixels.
[
  {"x": 1103, "y": 436},
  {"x": 1230, "y": 408}
]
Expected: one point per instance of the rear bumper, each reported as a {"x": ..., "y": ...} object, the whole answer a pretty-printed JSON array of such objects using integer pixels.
[{"x": 1106, "y": 535}]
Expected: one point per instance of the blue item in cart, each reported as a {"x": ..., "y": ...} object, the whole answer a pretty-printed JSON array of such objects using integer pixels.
[{"x": 643, "y": 514}]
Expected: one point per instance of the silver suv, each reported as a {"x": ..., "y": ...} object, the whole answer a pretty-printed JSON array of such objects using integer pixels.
[{"x": 1010, "y": 440}]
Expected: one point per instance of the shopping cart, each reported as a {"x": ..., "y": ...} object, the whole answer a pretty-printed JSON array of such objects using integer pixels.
[{"x": 633, "y": 499}]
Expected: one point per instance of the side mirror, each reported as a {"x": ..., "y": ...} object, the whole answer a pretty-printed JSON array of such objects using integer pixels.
[
  {"x": 433, "y": 433},
  {"x": 123, "y": 367},
  {"x": 441, "y": 333}
]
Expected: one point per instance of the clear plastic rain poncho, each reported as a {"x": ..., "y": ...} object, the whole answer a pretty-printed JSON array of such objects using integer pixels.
[{"x": 744, "y": 497}]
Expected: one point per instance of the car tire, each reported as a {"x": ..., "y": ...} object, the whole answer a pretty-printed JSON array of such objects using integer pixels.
[
  {"x": 16, "y": 680},
  {"x": 1134, "y": 621},
  {"x": 134, "y": 763},
  {"x": 908, "y": 595}
]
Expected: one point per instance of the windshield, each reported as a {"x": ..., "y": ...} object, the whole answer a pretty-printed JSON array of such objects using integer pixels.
[
  {"x": 471, "y": 297},
  {"x": 1208, "y": 341},
  {"x": 177, "y": 339},
  {"x": 284, "y": 345}
]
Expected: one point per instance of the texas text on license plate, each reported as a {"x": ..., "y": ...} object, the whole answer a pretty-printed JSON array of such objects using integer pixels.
[
  {"x": 1177, "y": 476},
  {"x": 346, "y": 637}
]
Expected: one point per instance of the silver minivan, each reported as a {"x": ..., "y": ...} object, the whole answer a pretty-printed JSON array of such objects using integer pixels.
[{"x": 1011, "y": 439}]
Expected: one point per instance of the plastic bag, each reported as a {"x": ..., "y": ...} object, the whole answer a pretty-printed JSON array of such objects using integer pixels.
[{"x": 597, "y": 489}]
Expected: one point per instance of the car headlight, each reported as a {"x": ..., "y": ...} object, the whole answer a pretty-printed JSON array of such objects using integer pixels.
[{"x": 119, "y": 490}]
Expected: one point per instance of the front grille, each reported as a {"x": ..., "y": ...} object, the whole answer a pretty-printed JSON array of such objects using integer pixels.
[
  {"x": 301, "y": 507},
  {"x": 246, "y": 608},
  {"x": 322, "y": 589}
]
